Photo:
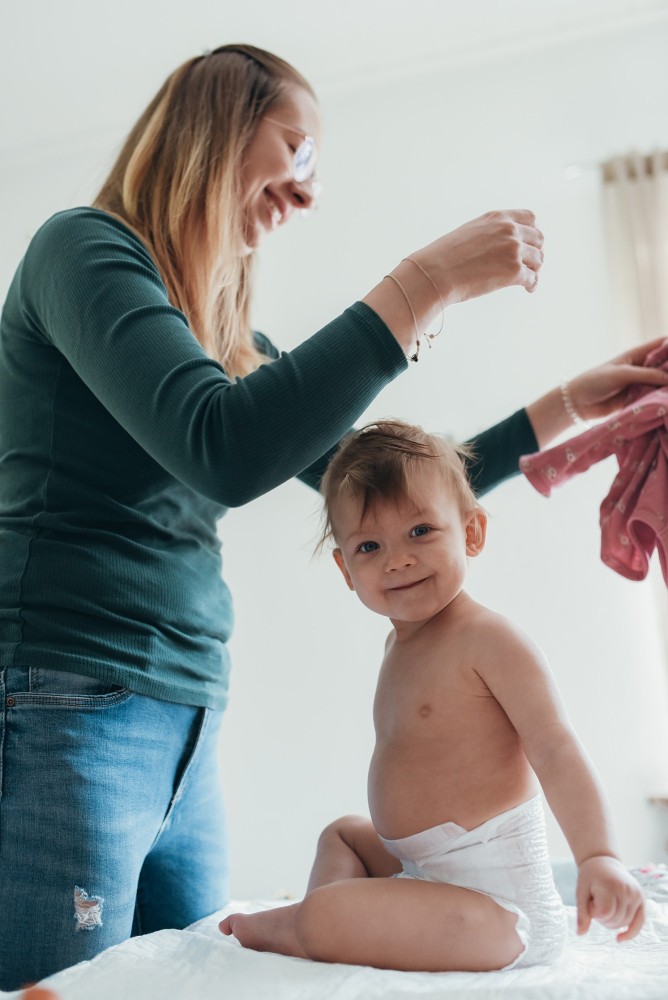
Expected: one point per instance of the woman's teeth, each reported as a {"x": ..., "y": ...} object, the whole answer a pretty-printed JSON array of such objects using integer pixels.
[{"x": 276, "y": 214}]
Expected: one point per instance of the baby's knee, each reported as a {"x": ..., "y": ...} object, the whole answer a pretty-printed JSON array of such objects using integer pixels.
[{"x": 345, "y": 828}]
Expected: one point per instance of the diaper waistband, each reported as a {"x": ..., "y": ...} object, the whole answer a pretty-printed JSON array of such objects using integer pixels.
[{"x": 451, "y": 836}]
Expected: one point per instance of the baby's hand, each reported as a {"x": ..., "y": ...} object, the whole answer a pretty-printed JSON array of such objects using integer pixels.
[{"x": 608, "y": 893}]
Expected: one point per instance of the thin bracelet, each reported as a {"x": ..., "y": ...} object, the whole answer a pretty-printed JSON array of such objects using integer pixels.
[
  {"x": 411, "y": 357},
  {"x": 431, "y": 336},
  {"x": 569, "y": 406}
]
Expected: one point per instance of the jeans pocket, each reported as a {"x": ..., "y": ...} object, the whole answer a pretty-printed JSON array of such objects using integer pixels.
[{"x": 47, "y": 686}]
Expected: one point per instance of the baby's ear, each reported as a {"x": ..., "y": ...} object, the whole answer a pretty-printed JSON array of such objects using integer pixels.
[
  {"x": 476, "y": 532},
  {"x": 340, "y": 562}
]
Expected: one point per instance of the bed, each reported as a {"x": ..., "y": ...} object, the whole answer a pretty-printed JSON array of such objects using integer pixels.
[{"x": 199, "y": 963}]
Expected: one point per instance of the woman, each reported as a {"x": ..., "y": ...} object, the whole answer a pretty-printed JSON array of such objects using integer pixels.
[{"x": 135, "y": 407}]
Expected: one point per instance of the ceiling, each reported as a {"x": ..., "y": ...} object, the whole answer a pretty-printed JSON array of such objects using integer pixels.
[{"x": 71, "y": 69}]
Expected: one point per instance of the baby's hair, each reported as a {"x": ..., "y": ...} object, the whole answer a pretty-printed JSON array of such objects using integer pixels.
[{"x": 377, "y": 462}]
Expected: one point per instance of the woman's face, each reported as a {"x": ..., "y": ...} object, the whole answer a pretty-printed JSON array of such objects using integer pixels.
[{"x": 270, "y": 192}]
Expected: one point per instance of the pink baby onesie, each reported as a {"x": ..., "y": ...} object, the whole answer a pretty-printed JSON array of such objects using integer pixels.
[{"x": 634, "y": 514}]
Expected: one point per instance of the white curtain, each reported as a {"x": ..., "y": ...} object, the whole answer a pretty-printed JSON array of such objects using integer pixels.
[{"x": 635, "y": 192}]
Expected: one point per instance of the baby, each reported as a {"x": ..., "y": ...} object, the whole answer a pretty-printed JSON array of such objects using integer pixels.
[{"x": 452, "y": 872}]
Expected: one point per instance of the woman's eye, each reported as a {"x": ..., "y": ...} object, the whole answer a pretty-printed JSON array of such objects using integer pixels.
[
  {"x": 368, "y": 547},
  {"x": 421, "y": 529}
]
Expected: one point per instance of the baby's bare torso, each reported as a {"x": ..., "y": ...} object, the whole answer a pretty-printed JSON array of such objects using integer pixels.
[{"x": 445, "y": 749}]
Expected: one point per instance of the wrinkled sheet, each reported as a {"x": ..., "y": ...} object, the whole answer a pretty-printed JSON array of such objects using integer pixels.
[{"x": 201, "y": 964}]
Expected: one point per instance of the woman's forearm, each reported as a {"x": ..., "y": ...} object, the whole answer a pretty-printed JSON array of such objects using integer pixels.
[{"x": 548, "y": 417}]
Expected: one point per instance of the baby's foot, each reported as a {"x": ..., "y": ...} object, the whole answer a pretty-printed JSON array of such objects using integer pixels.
[{"x": 267, "y": 930}]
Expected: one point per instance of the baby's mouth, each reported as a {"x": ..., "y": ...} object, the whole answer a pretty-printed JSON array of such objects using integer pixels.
[{"x": 409, "y": 586}]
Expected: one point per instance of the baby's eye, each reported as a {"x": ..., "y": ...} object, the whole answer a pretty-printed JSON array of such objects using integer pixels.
[
  {"x": 421, "y": 529},
  {"x": 367, "y": 547}
]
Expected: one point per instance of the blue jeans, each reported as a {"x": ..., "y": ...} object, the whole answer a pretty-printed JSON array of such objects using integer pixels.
[{"x": 111, "y": 819}]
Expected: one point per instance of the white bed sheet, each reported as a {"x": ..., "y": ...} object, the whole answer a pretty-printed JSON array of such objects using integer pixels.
[{"x": 201, "y": 964}]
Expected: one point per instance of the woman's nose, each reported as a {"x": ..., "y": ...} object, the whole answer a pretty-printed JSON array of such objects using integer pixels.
[{"x": 304, "y": 194}]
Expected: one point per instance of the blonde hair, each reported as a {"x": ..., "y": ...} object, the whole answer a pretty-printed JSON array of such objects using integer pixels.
[
  {"x": 176, "y": 183},
  {"x": 377, "y": 462}
]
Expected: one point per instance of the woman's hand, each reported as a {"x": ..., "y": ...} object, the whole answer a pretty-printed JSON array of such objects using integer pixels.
[
  {"x": 595, "y": 393},
  {"x": 38, "y": 993},
  {"x": 600, "y": 391},
  {"x": 491, "y": 252}
]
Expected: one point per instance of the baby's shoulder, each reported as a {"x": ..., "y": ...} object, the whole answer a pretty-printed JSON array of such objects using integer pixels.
[{"x": 490, "y": 630}]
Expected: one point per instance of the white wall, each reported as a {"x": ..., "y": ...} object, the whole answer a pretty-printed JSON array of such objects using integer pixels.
[{"x": 403, "y": 161}]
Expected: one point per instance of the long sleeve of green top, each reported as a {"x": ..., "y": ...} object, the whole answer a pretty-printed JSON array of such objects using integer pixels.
[{"x": 122, "y": 443}]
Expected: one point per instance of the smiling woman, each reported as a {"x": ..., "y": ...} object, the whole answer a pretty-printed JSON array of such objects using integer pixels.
[
  {"x": 271, "y": 193},
  {"x": 203, "y": 177},
  {"x": 136, "y": 405}
]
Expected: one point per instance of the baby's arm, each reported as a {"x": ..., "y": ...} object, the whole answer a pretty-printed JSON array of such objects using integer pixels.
[{"x": 520, "y": 680}]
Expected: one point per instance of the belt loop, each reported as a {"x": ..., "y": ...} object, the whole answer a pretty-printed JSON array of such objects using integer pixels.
[{"x": 15, "y": 680}]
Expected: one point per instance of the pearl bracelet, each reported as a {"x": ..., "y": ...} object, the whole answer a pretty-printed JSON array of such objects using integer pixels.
[{"x": 569, "y": 406}]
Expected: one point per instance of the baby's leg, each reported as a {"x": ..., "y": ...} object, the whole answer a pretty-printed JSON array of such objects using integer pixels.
[
  {"x": 388, "y": 923},
  {"x": 350, "y": 848}
]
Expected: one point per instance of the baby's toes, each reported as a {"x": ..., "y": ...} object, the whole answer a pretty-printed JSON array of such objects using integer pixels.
[{"x": 227, "y": 924}]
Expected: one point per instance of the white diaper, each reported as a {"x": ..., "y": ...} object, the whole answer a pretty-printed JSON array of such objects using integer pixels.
[{"x": 506, "y": 858}]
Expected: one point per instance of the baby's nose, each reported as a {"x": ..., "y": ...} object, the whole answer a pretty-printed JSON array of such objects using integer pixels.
[{"x": 399, "y": 559}]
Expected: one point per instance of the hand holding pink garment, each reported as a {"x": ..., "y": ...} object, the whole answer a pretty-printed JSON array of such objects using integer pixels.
[{"x": 633, "y": 514}]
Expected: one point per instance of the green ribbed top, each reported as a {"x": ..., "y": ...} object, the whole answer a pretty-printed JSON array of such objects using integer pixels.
[{"x": 122, "y": 443}]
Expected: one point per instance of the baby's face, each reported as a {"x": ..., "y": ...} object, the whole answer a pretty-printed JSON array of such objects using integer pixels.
[{"x": 404, "y": 560}]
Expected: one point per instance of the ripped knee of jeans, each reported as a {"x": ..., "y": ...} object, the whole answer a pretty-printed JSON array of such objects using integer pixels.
[{"x": 87, "y": 910}]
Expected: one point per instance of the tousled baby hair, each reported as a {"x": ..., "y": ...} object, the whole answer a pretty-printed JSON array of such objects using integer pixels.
[{"x": 377, "y": 462}]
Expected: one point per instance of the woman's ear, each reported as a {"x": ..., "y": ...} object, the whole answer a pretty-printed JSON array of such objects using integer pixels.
[
  {"x": 476, "y": 532},
  {"x": 339, "y": 560}
]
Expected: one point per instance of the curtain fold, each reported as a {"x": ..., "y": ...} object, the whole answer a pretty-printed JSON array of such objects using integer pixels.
[{"x": 635, "y": 190}]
